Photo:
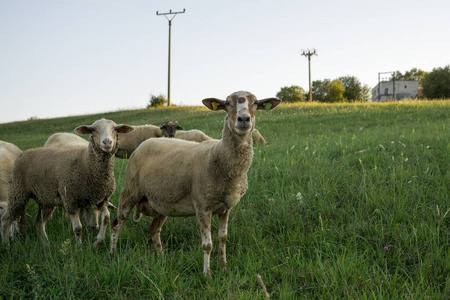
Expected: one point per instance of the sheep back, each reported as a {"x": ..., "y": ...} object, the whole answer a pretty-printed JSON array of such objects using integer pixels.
[{"x": 130, "y": 141}]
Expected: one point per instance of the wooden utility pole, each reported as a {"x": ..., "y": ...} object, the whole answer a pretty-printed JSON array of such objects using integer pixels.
[
  {"x": 309, "y": 53},
  {"x": 170, "y": 31}
]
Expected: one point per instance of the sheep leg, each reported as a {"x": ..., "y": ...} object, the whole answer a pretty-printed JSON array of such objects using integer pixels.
[
  {"x": 155, "y": 231},
  {"x": 42, "y": 217},
  {"x": 124, "y": 211},
  {"x": 204, "y": 220},
  {"x": 77, "y": 227},
  {"x": 15, "y": 212},
  {"x": 223, "y": 232},
  {"x": 104, "y": 223},
  {"x": 90, "y": 216}
]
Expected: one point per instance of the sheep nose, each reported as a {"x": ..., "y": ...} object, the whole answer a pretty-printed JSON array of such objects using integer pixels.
[
  {"x": 171, "y": 135},
  {"x": 107, "y": 142},
  {"x": 244, "y": 119}
]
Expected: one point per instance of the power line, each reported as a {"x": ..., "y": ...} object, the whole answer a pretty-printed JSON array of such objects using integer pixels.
[
  {"x": 170, "y": 31},
  {"x": 309, "y": 53}
]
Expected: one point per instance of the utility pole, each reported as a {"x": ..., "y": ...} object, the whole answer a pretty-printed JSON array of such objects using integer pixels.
[
  {"x": 309, "y": 53},
  {"x": 170, "y": 31}
]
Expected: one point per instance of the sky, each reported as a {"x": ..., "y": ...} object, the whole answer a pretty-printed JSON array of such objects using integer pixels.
[{"x": 62, "y": 58}]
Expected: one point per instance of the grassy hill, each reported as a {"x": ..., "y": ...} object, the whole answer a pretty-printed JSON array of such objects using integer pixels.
[{"x": 347, "y": 201}]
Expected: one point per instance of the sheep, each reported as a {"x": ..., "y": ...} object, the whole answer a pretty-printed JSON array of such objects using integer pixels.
[
  {"x": 65, "y": 140},
  {"x": 8, "y": 155},
  {"x": 172, "y": 129},
  {"x": 129, "y": 142},
  {"x": 192, "y": 135},
  {"x": 71, "y": 140},
  {"x": 258, "y": 139},
  {"x": 169, "y": 128},
  {"x": 205, "y": 178},
  {"x": 71, "y": 177}
]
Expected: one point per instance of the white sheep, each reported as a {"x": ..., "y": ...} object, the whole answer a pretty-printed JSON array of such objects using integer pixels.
[
  {"x": 71, "y": 140},
  {"x": 130, "y": 141},
  {"x": 8, "y": 155},
  {"x": 193, "y": 135},
  {"x": 65, "y": 140},
  {"x": 205, "y": 178},
  {"x": 75, "y": 178}
]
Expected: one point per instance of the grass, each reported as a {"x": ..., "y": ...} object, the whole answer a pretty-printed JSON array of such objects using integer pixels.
[{"x": 347, "y": 201}]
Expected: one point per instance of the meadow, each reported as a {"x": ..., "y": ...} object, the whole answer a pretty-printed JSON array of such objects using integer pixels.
[{"x": 347, "y": 201}]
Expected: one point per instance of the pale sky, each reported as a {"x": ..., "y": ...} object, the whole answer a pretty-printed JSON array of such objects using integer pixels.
[{"x": 68, "y": 57}]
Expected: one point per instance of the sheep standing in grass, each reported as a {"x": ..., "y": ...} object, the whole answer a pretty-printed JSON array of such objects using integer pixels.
[
  {"x": 205, "y": 178},
  {"x": 8, "y": 155},
  {"x": 193, "y": 135},
  {"x": 75, "y": 178},
  {"x": 71, "y": 140},
  {"x": 129, "y": 142}
]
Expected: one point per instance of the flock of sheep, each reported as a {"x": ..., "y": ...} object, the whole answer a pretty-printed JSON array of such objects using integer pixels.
[{"x": 207, "y": 176}]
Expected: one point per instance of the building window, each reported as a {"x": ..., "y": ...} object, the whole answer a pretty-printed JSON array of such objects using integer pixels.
[
  {"x": 405, "y": 87},
  {"x": 386, "y": 91}
]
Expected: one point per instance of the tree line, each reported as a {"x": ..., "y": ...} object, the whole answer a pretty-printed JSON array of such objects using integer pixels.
[{"x": 434, "y": 84}]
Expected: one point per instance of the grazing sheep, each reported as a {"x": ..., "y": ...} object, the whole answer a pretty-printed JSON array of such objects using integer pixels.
[
  {"x": 129, "y": 142},
  {"x": 258, "y": 139},
  {"x": 71, "y": 140},
  {"x": 8, "y": 155},
  {"x": 71, "y": 177},
  {"x": 205, "y": 178},
  {"x": 193, "y": 135}
]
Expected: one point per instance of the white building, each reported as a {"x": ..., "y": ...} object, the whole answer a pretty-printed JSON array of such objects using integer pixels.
[{"x": 385, "y": 90}]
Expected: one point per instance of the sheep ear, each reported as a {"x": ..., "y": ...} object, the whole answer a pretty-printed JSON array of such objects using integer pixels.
[
  {"x": 268, "y": 103},
  {"x": 179, "y": 127},
  {"x": 84, "y": 129},
  {"x": 214, "y": 103},
  {"x": 124, "y": 128}
]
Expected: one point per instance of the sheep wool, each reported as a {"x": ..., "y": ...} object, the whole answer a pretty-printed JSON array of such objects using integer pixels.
[{"x": 177, "y": 178}]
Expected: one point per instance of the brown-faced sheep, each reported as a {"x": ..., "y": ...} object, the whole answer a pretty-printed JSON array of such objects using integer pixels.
[
  {"x": 8, "y": 155},
  {"x": 71, "y": 140},
  {"x": 169, "y": 128},
  {"x": 71, "y": 177},
  {"x": 205, "y": 178}
]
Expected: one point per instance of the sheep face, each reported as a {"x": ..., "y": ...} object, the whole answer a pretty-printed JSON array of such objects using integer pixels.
[
  {"x": 104, "y": 133},
  {"x": 169, "y": 128},
  {"x": 241, "y": 107}
]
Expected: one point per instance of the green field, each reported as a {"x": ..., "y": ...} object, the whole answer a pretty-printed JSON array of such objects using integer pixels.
[{"x": 347, "y": 201}]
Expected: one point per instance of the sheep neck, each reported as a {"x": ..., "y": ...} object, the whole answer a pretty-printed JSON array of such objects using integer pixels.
[
  {"x": 100, "y": 163},
  {"x": 235, "y": 152}
]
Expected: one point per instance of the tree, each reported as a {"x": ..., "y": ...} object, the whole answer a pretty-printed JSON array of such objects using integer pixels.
[
  {"x": 354, "y": 90},
  {"x": 292, "y": 93},
  {"x": 436, "y": 84},
  {"x": 156, "y": 101},
  {"x": 413, "y": 74},
  {"x": 328, "y": 91},
  {"x": 335, "y": 91}
]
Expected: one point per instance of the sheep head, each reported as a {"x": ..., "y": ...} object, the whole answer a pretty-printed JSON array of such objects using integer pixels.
[
  {"x": 169, "y": 128},
  {"x": 104, "y": 133},
  {"x": 241, "y": 107}
]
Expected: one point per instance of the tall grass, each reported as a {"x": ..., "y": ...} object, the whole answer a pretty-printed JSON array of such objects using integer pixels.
[{"x": 347, "y": 201}]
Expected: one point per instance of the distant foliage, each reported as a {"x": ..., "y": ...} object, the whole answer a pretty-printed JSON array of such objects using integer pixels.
[
  {"x": 413, "y": 74},
  {"x": 293, "y": 93},
  {"x": 343, "y": 89},
  {"x": 436, "y": 84},
  {"x": 328, "y": 91},
  {"x": 156, "y": 101}
]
